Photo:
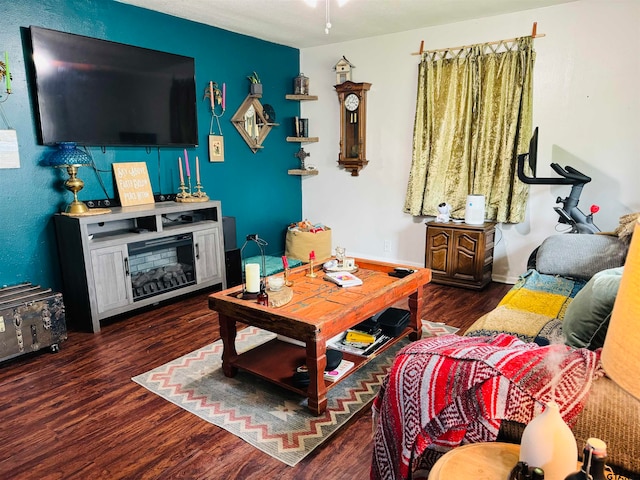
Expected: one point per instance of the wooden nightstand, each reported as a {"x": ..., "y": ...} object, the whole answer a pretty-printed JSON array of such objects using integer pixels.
[{"x": 459, "y": 254}]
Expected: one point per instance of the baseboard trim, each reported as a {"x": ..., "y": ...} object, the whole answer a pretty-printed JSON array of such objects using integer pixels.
[{"x": 504, "y": 279}]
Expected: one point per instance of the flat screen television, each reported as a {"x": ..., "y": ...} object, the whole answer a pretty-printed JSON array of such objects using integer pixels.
[{"x": 102, "y": 93}]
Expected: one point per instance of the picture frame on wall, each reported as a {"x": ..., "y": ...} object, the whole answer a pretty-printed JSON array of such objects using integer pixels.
[{"x": 216, "y": 148}]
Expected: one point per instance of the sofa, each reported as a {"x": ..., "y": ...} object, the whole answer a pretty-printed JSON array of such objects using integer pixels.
[{"x": 564, "y": 282}]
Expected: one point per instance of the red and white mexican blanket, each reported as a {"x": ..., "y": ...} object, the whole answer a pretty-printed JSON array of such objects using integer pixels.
[{"x": 450, "y": 390}]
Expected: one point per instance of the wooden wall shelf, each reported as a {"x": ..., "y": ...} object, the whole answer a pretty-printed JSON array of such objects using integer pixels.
[
  {"x": 298, "y": 171},
  {"x": 303, "y": 139},
  {"x": 301, "y": 97}
]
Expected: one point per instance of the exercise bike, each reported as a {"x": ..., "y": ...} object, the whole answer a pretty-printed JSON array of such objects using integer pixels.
[{"x": 568, "y": 213}]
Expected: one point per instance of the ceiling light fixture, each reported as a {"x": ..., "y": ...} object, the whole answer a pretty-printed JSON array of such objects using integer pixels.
[
  {"x": 327, "y": 10},
  {"x": 327, "y": 25}
]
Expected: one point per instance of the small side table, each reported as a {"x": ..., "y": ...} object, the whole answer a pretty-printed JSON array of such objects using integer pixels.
[
  {"x": 480, "y": 461},
  {"x": 460, "y": 255}
]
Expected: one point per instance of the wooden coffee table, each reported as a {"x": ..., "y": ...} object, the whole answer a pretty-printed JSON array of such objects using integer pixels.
[{"x": 318, "y": 311}]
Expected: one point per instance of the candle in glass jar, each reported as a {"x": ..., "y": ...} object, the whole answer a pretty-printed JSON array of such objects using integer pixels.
[{"x": 252, "y": 275}]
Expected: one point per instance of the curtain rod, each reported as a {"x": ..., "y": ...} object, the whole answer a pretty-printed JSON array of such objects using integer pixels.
[{"x": 534, "y": 34}]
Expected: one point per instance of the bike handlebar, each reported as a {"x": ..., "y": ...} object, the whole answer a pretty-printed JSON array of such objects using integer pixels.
[{"x": 569, "y": 175}]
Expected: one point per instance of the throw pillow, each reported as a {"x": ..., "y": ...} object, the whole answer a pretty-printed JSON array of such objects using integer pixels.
[
  {"x": 580, "y": 256},
  {"x": 587, "y": 317}
]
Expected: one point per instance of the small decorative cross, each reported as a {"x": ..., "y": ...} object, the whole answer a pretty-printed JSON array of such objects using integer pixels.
[{"x": 301, "y": 155}]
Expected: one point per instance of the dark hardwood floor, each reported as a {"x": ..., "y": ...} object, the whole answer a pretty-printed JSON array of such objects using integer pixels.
[{"x": 77, "y": 414}]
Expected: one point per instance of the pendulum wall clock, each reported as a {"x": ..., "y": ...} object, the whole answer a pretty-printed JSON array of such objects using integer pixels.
[{"x": 353, "y": 125}]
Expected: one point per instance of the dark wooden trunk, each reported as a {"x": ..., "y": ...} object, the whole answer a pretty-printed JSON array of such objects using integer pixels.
[
  {"x": 31, "y": 318},
  {"x": 77, "y": 414}
]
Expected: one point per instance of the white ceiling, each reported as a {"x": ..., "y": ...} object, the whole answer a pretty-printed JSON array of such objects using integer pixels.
[{"x": 296, "y": 24}]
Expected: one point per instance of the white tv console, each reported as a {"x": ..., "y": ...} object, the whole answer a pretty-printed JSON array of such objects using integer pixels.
[{"x": 176, "y": 248}]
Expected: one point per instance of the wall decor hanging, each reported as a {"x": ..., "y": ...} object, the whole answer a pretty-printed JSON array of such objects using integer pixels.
[
  {"x": 216, "y": 142},
  {"x": 253, "y": 122},
  {"x": 9, "y": 154}
]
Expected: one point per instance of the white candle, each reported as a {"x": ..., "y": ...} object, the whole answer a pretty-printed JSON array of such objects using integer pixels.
[
  {"x": 211, "y": 95},
  {"x": 197, "y": 170},
  {"x": 252, "y": 275},
  {"x": 186, "y": 163},
  {"x": 180, "y": 167}
]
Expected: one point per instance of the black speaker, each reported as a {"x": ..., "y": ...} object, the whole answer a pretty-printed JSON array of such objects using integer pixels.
[
  {"x": 229, "y": 233},
  {"x": 233, "y": 265}
]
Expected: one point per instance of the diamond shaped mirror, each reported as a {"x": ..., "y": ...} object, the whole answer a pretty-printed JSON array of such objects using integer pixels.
[{"x": 252, "y": 123}]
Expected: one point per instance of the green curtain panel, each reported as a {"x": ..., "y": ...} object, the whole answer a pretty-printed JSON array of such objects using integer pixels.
[{"x": 473, "y": 116}]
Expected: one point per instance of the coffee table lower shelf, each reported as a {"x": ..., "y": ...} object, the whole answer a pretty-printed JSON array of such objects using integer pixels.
[{"x": 276, "y": 361}]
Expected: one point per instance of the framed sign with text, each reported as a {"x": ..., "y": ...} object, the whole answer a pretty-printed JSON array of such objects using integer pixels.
[{"x": 132, "y": 180}]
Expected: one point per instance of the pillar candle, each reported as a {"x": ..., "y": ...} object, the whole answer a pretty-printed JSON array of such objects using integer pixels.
[
  {"x": 186, "y": 162},
  {"x": 252, "y": 275},
  {"x": 180, "y": 168},
  {"x": 212, "y": 95},
  {"x": 224, "y": 95},
  {"x": 197, "y": 170}
]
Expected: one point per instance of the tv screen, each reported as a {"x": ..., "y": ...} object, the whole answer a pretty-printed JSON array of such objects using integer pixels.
[{"x": 102, "y": 93}]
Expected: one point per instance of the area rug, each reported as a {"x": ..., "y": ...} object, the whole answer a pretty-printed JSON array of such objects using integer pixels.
[
  {"x": 435, "y": 329},
  {"x": 266, "y": 416}
]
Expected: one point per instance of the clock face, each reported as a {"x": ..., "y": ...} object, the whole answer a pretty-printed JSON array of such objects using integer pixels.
[{"x": 351, "y": 102}]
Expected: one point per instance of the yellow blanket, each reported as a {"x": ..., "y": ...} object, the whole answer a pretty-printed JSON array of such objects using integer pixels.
[{"x": 534, "y": 307}]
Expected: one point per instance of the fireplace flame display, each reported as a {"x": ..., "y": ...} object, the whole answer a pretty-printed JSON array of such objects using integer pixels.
[
  {"x": 160, "y": 266},
  {"x": 162, "y": 279}
]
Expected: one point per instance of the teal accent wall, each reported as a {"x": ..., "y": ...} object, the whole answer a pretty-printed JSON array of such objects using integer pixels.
[{"x": 254, "y": 188}]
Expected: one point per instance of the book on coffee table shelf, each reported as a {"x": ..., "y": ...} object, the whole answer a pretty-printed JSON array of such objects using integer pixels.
[
  {"x": 340, "y": 342},
  {"x": 338, "y": 372},
  {"x": 343, "y": 279},
  {"x": 358, "y": 336}
]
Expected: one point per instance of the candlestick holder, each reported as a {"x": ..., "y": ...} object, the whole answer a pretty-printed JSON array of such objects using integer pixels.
[
  {"x": 311, "y": 273},
  {"x": 185, "y": 192},
  {"x": 199, "y": 195},
  {"x": 287, "y": 282}
]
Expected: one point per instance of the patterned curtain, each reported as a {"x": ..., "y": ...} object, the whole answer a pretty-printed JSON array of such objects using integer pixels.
[{"x": 473, "y": 117}]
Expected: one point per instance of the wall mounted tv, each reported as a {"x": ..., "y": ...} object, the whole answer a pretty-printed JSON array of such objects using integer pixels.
[{"x": 102, "y": 93}]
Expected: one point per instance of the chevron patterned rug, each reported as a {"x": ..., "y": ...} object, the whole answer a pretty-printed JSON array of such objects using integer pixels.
[{"x": 266, "y": 416}]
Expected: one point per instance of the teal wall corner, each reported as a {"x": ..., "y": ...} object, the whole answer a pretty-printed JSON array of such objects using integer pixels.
[{"x": 253, "y": 187}]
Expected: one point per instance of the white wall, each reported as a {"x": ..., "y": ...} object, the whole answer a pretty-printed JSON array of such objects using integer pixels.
[{"x": 586, "y": 103}]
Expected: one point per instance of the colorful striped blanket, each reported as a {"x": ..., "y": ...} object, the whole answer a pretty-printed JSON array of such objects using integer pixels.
[
  {"x": 450, "y": 390},
  {"x": 533, "y": 309}
]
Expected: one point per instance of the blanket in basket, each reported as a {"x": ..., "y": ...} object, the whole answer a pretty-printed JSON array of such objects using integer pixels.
[{"x": 450, "y": 390}]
